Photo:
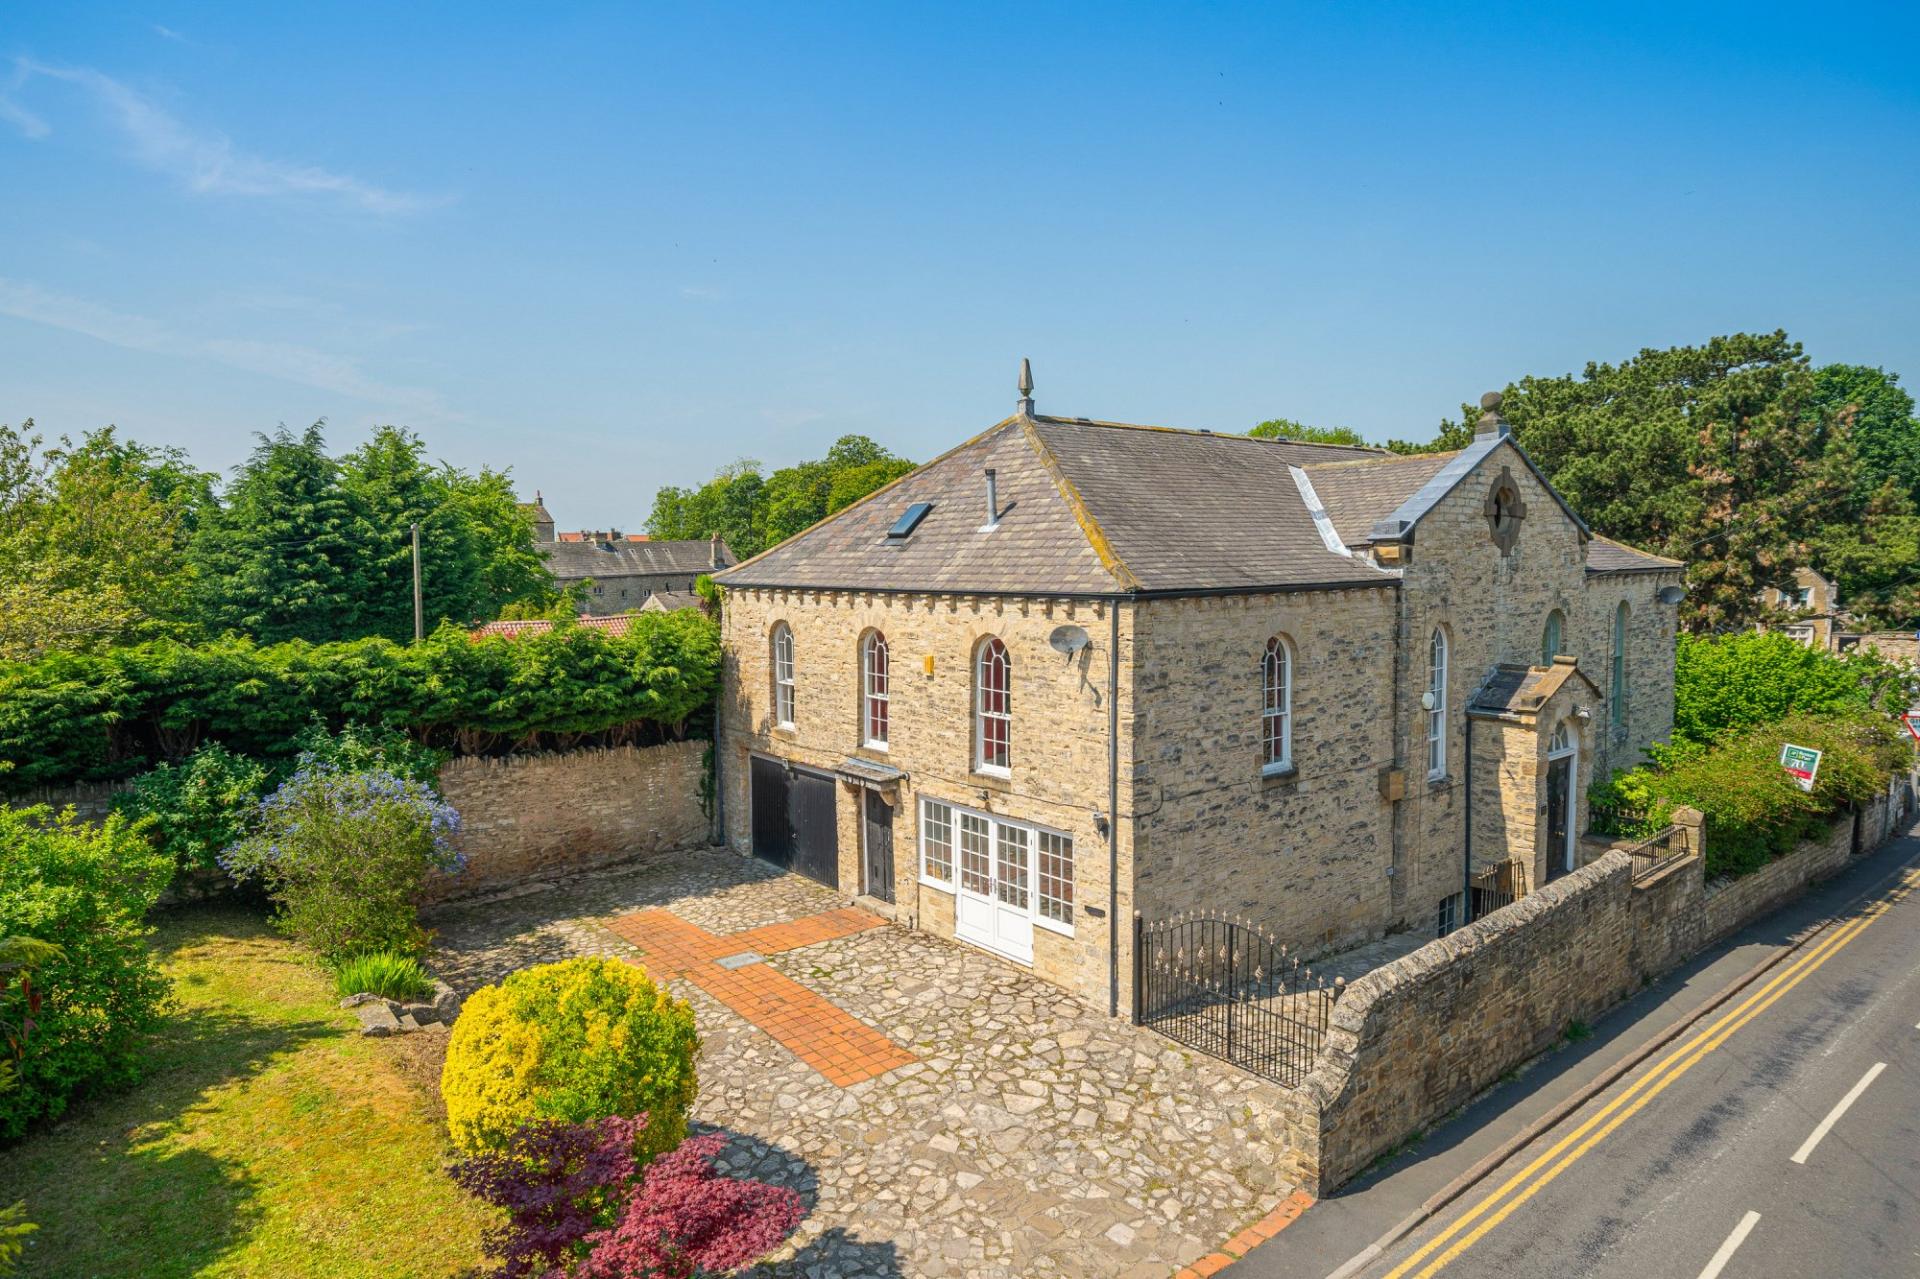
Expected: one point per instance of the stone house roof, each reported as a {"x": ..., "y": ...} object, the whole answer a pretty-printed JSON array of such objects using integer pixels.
[
  {"x": 1518, "y": 692},
  {"x": 670, "y": 602},
  {"x": 1604, "y": 555},
  {"x": 1103, "y": 508},
  {"x": 617, "y": 624},
  {"x": 572, "y": 561}
]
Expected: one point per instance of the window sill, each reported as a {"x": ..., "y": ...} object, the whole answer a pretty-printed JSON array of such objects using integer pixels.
[
  {"x": 873, "y": 748},
  {"x": 1439, "y": 781},
  {"x": 1280, "y": 778},
  {"x": 934, "y": 883},
  {"x": 998, "y": 779},
  {"x": 784, "y": 730},
  {"x": 1063, "y": 930}
]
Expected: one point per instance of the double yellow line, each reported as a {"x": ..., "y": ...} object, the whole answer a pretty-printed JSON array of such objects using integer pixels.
[{"x": 1530, "y": 1180}]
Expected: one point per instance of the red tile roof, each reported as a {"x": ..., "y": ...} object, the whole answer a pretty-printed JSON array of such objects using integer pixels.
[{"x": 619, "y": 624}]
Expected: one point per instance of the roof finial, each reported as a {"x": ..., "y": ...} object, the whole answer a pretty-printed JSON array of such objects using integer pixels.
[
  {"x": 1491, "y": 423},
  {"x": 1026, "y": 387}
]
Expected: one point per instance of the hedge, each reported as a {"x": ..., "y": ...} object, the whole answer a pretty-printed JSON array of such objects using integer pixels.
[
  {"x": 105, "y": 716},
  {"x": 1754, "y": 810}
]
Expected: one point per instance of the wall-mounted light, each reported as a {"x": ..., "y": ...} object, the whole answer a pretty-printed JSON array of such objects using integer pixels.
[{"x": 1427, "y": 700}]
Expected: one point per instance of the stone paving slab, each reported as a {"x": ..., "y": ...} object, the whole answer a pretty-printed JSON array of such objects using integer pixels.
[{"x": 1032, "y": 1137}]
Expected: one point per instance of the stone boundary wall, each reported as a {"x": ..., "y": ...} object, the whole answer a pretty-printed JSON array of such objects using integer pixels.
[
  {"x": 1415, "y": 1039},
  {"x": 91, "y": 800},
  {"x": 1422, "y": 1036},
  {"x": 524, "y": 816}
]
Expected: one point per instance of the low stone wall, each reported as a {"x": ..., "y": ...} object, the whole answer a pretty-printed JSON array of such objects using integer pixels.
[
  {"x": 524, "y": 816},
  {"x": 1415, "y": 1039},
  {"x": 1729, "y": 903},
  {"x": 92, "y": 801}
]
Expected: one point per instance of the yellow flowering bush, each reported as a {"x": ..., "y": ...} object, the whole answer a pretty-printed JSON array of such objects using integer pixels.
[{"x": 575, "y": 1041}]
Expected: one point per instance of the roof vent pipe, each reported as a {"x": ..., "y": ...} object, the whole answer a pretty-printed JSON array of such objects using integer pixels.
[{"x": 993, "y": 499}]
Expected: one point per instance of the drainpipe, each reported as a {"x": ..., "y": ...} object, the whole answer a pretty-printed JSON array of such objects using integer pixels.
[
  {"x": 1466, "y": 869},
  {"x": 1113, "y": 809}
]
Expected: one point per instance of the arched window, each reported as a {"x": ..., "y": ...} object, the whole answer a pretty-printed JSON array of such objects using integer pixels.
[
  {"x": 783, "y": 675},
  {"x": 993, "y": 707},
  {"x": 873, "y": 689},
  {"x": 1561, "y": 743},
  {"x": 1276, "y": 715},
  {"x": 1551, "y": 638},
  {"x": 1437, "y": 704},
  {"x": 1618, "y": 697}
]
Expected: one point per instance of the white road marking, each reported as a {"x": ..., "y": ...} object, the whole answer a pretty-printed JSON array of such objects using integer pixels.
[
  {"x": 1833, "y": 1116},
  {"x": 1734, "y": 1240}
]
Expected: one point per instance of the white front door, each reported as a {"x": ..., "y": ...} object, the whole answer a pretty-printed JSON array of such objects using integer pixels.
[{"x": 992, "y": 901}]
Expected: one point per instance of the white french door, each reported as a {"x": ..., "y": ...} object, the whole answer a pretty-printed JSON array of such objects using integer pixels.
[{"x": 993, "y": 901}]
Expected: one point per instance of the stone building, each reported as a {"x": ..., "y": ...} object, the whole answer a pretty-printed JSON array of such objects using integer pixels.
[
  {"x": 1073, "y": 670},
  {"x": 1812, "y": 609},
  {"x": 625, "y": 571}
]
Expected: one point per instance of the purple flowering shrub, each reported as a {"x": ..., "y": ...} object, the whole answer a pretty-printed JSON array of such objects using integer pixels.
[
  {"x": 346, "y": 855},
  {"x": 577, "y": 1210}
]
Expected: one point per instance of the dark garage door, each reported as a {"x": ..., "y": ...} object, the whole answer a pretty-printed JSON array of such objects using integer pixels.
[{"x": 795, "y": 825}]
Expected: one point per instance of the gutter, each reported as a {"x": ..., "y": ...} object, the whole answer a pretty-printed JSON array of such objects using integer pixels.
[{"x": 1113, "y": 810}]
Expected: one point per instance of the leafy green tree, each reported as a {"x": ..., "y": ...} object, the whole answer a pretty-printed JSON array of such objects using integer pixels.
[
  {"x": 92, "y": 541},
  {"x": 1724, "y": 683},
  {"x": 277, "y": 559},
  {"x": 753, "y": 512},
  {"x": 1718, "y": 454},
  {"x": 1885, "y": 431},
  {"x": 1450, "y": 437},
  {"x": 1281, "y": 428}
]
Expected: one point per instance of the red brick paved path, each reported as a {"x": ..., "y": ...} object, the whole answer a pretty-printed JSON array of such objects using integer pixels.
[{"x": 826, "y": 1037}]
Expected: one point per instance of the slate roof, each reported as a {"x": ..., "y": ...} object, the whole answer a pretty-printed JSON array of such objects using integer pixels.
[
  {"x": 1604, "y": 555},
  {"x": 618, "y": 624},
  {"x": 670, "y": 602},
  {"x": 1518, "y": 692},
  {"x": 1358, "y": 494},
  {"x": 1100, "y": 508},
  {"x": 571, "y": 561}
]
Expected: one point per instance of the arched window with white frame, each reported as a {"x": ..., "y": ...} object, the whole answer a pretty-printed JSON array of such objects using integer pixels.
[
  {"x": 873, "y": 690},
  {"x": 993, "y": 708},
  {"x": 1436, "y": 700},
  {"x": 783, "y": 675},
  {"x": 1552, "y": 638},
  {"x": 1276, "y": 714}
]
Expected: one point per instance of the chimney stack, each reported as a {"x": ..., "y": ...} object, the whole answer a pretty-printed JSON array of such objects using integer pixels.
[
  {"x": 714, "y": 558},
  {"x": 1025, "y": 407},
  {"x": 1491, "y": 424},
  {"x": 993, "y": 499}
]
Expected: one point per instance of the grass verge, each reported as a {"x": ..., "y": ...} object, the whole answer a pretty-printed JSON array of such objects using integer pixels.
[{"x": 269, "y": 1140}]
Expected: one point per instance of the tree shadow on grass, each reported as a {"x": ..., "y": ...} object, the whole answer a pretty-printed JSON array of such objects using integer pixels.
[
  {"x": 834, "y": 1251},
  {"x": 112, "y": 1184}
]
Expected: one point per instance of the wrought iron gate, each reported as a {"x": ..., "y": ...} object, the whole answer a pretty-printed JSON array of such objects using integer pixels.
[{"x": 1229, "y": 990}]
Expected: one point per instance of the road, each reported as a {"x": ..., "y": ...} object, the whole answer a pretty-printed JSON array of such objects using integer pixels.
[{"x": 1777, "y": 1137}]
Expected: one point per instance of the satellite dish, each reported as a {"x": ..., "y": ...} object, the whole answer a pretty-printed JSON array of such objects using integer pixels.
[
  {"x": 1068, "y": 639},
  {"x": 1672, "y": 594}
]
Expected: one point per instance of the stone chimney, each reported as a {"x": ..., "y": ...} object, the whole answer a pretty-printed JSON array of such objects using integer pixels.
[
  {"x": 1491, "y": 424},
  {"x": 714, "y": 558}
]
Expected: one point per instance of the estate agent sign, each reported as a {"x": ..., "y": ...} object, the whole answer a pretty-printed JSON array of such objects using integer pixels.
[{"x": 1801, "y": 761}]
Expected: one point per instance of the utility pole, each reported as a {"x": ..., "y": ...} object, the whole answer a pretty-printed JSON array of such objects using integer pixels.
[{"x": 419, "y": 614}]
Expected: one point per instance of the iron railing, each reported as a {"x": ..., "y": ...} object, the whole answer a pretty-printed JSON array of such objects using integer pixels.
[
  {"x": 1620, "y": 821},
  {"x": 1227, "y": 989},
  {"x": 1652, "y": 854}
]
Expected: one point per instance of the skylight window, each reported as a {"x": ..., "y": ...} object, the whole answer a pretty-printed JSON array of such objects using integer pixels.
[{"x": 904, "y": 526}]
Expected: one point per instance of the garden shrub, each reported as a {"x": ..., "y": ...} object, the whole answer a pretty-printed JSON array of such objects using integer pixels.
[
  {"x": 1725, "y": 683},
  {"x": 577, "y": 1203},
  {"x": 365, "y": 748},
  {"x": 383, "y": 973},
  {"x": 579, "y": 1040},
  {"x": 115, "y": 713},
  {"x": 199, "y": 807},
  {"x": 87, "y": 890},
  {"x": 1754, "y": 811},
  {"x": 685, "y": 1220},
  {"x": 345, "y": 858}
]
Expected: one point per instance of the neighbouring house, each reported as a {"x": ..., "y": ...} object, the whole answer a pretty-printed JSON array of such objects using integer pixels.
[
  {"x": 616, "y": 624},
  {"x": 1074, "y": 670},
  {"x": 1812, "y": 609},
  {"x": 626, "y": 570},
  {"x": 670, "y": 602}
]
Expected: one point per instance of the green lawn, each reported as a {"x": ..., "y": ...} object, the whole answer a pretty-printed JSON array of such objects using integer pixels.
[{"x": 270, "y": 1140}]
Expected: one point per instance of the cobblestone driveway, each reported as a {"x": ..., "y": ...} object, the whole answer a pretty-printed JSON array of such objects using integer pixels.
[{"x": 1030, "y": 1135}]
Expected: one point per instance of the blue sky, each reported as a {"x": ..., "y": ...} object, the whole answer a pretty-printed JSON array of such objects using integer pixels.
[{"x": 614, "y": 246}]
